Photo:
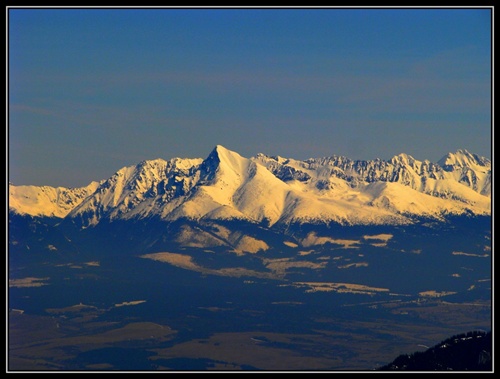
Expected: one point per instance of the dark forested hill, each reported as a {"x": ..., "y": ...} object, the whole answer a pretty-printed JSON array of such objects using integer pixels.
[{"x": 465, "y": 352}]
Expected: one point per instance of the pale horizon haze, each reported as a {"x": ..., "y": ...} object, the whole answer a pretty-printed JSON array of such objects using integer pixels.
[{"x": 92, "y": 90}]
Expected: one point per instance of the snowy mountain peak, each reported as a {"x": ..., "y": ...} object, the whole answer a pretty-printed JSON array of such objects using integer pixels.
[
  {"x": 403, "y": 159},
  {"x": 221, "y": 152},
  {"x": 183, "y": 164},
  {"x": 210, "y": 165},
  {"x": 468, "y": 169},
  {"x": 222, "y": 161},
  {"x": 48, "y": 201},
  {"x": 272, "y": 189},
  {"x": 462, "y": 158},
  {"x": 229, "y": 157}
]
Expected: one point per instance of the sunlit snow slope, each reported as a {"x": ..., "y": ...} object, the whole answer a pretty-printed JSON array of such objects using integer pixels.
[{"x": 273, "y": 190}]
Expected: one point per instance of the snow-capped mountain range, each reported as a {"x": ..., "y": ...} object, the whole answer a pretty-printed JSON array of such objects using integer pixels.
[{"x": 272, "y": 190}]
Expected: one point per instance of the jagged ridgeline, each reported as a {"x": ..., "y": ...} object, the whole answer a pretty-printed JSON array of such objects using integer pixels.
[
  {"x": 248, "y": 204},
  {"x": 470, "y": 351},
  {"x": 272, "y": 191}
]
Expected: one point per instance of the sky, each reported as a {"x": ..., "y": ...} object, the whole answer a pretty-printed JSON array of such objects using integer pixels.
[{"x": 93, "y": 90}]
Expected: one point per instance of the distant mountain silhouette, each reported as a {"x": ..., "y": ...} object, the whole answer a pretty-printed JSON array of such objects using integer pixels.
[{"x": 464, "y": 352}]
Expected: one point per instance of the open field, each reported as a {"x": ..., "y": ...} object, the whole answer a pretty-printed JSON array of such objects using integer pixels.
[
  {"x": 72, "y": 338},
  {"x": 354, "y": 301}
]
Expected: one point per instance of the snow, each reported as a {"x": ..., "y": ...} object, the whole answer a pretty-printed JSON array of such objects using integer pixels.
[
  {"x": 270, "y": 190},
  {"x": 339, "y": 287},
  {"x": 462, "y": 158},
  {"x": 312, "y": 240},
  {"x": 198, "y": 238},
  {"x": 405, "y": 200},
  {"x": 469, "y": 254},
  {"x": 47, "y": 201},
  {"x": 220, "y": 236},
  {"x": 433, "y": 293},
  {"x": 381, "y": 237},
  {"x": 247, "y": 244}
]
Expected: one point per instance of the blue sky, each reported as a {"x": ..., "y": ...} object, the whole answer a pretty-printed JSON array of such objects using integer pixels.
[{"x": 93, "y": 90}]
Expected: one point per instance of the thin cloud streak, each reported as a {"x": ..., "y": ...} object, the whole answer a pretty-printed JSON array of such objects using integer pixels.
[{"x": 364, "y": 91}]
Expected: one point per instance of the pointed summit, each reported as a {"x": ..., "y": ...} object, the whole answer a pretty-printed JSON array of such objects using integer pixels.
[
  {"x": 222, "y": 160},
  {"x": 462, "y": 158},
  {"x": 404, "y": 159},
  {"x": 228, "y": 156},
  {"x": 210, "y": 165}
]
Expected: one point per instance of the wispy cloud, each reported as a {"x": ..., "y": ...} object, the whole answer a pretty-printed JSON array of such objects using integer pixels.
[{"x": 448, "y": 81}]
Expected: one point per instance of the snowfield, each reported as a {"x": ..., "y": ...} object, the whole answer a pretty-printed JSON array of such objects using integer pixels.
[{"x": 272, "y": 190}]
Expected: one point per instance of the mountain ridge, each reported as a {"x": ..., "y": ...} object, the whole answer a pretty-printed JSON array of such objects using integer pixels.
[{"x": 272, "y": 190}]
